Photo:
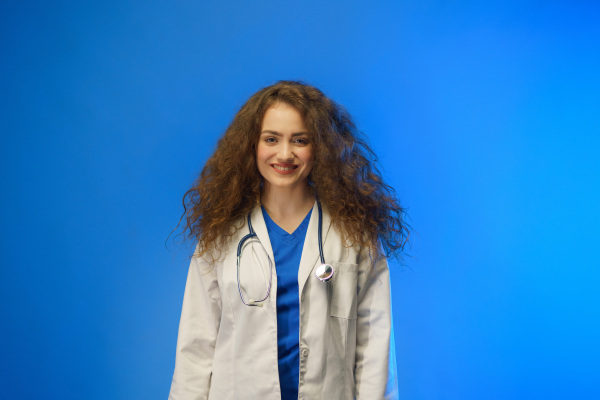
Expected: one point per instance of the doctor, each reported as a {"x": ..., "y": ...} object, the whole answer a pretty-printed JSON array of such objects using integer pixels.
[{"x": 290, "y": 187}]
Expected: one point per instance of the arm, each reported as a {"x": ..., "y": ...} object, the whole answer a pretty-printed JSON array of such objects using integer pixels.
[
  {"x": 198, "y": 327},
  {"x": 375, "y": 368}
]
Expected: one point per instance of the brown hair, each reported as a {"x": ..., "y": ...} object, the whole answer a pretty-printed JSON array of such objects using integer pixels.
[{"x": 344, "y": 176}]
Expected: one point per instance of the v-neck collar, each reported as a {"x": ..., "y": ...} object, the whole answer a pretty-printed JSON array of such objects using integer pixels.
[{"x": 273, "y": 228}]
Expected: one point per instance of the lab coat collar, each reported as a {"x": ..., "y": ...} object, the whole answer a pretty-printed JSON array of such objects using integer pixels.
[
  {"x": 260, "y": 227},
  {"x": 310, "y": 251}
]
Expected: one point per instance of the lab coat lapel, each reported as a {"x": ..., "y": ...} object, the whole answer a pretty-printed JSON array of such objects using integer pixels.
[
  {"x": 310, "y": 251},
  {"x": 260, "y": 227}
]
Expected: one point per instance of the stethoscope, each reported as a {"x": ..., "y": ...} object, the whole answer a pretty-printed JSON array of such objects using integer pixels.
[{"x": 323, "y": 272}]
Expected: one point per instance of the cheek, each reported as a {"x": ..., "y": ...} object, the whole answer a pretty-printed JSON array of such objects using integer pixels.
[
  {"x": 307, "y": 157},
  {"x": 260, "y": 166},
  {"x": 261, "y": 153}
]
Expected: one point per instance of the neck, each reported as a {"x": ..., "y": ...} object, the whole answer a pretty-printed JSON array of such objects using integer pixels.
[{"x": 289, "y": 202}]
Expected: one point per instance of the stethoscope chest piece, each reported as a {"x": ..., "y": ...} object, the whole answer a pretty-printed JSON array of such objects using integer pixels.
[{"x": 324, "y": 272}]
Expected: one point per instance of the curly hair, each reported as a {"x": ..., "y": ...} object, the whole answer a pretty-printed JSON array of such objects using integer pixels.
[{"x": 344, "y": 176}]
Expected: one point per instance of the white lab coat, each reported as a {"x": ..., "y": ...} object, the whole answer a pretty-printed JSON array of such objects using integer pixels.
[{"x": 227, "y": 350}]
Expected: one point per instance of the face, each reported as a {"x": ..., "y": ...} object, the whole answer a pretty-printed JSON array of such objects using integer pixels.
[{"x": 284, "y": 153}]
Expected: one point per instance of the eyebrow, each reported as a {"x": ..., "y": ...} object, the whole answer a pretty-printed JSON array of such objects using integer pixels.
[{"x": 279, "y": 134}]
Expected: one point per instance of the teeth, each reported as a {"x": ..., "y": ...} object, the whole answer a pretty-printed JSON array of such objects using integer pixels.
[{"x": 277, "y": 167}]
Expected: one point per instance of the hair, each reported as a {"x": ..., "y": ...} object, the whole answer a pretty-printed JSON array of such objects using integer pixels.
[{"x": 344, "y": 177}]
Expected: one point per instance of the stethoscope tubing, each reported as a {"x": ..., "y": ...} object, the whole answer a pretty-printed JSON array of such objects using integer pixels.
[
  {"x": 326, "y": 270},
  {"x": 250, "y": 235}
]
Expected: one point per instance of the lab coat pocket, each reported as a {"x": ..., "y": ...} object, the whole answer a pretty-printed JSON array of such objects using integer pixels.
[{"x": 343, "y": 291}]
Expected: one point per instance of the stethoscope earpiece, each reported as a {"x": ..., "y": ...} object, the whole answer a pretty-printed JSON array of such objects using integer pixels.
[{"x": 324, "y": 272}]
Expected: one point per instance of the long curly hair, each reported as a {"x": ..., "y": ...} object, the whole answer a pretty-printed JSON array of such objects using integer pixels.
[{"x": 344, "y": 177}]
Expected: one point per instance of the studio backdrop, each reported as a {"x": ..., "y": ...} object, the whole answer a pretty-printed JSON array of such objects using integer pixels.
[{"x": 485, "y": 118}]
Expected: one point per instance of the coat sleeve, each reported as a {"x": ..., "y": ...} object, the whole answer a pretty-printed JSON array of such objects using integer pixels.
[
  {"x": 198, "y": 328},
  {"x": 375, "y": 365}
]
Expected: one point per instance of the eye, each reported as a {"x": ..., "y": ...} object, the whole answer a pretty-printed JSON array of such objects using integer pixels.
[
  {"x": 270, "y": 139},
  {"x": 302, "y": 141}
]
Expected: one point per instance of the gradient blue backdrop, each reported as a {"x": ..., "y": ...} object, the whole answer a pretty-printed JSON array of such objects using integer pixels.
[{"x": 486, "y": 119}]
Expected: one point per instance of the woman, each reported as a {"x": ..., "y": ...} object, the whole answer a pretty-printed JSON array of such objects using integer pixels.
[{"x": 290, "y": 187}]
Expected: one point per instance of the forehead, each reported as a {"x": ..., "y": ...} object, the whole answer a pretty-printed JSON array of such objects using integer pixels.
[{"x": 283, "y": 118}]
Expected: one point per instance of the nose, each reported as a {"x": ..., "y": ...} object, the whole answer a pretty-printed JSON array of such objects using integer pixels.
[{"x": 285, "y": 153}]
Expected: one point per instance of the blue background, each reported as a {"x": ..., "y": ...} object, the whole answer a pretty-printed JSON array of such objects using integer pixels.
[{"x": 486, "y": 118}]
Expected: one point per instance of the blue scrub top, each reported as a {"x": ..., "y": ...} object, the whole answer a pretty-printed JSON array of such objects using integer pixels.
[{"x": 287, "y": 250}]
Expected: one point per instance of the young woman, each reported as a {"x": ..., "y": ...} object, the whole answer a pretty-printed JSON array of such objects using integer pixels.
[{"x": 288, "y": 294}]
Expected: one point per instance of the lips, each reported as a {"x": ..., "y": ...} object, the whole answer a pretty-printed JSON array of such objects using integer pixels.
[{"x": 284, "y": 169}]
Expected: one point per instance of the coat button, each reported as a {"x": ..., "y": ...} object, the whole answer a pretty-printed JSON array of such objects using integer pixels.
[{"x": 304, "y": 353}]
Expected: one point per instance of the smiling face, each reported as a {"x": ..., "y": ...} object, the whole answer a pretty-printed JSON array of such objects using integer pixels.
[{"x": 284, "y": 154}]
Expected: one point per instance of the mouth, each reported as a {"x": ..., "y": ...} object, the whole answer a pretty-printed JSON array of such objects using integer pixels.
[{"x": 284, "y": 169}]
